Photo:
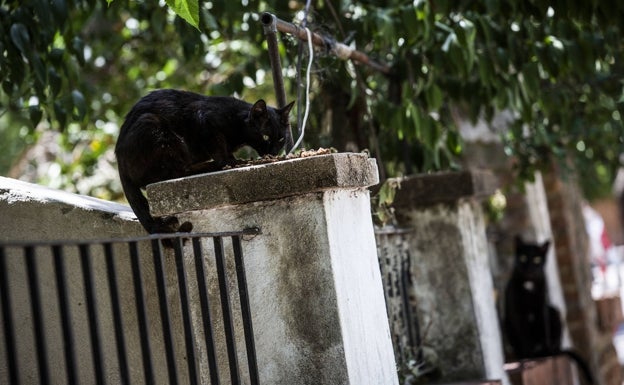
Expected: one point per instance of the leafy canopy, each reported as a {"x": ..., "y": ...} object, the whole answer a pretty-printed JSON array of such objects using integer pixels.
[{"x": 78, "y": 66}]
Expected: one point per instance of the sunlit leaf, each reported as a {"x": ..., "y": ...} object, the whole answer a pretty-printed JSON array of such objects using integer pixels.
[{"x": 187, "y": 10}]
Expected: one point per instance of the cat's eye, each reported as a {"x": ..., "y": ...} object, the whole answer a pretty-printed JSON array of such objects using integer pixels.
[
  {"x": 265, "y": 138},
  {"x": 523, "y": 258},
  {"x": 537, "y": 260}
]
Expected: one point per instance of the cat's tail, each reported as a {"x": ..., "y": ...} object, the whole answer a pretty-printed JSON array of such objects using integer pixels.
[
  {"x": 581, "y": 365},
  {"x": 140, "y": 206}
]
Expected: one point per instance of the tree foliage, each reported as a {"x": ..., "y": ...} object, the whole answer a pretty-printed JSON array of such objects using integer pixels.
[{"x": 79, "y": 65}]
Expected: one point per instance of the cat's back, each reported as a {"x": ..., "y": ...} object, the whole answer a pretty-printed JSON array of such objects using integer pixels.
[
  {"x": 175, "y": 101},
  {"x": 178, "y": 107},
  {"x": 165, "y": 102}
]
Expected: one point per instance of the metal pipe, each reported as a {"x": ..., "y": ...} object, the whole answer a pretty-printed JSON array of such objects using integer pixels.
[
  {"x": 341, "y": 50},
  {"x": 269, "y": 23}
]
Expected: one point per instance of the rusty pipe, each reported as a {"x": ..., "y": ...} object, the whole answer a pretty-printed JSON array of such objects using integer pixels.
[
  {"x": 269, "y": 24},
  {"x": 341, "y": 50}
]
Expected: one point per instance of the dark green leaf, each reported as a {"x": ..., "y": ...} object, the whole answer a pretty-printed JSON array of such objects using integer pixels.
[
  {"x": 80, "y": 106},
  {"x": 21, "y": 38},
  {"x": 59, "y": 8},
  {"x": 78, "y": 49},
  {"x": 434, "y": 97},
  {"x": 56, "y": 56},
  {"x": 61, "y": 114},
  {"x": 39, "y": 69},
  {"x": 55, "y": 82},
  {"x": 35, "y": 114}
]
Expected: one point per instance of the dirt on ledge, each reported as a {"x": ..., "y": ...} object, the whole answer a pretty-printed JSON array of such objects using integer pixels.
[{"x": 272, "y": 158}]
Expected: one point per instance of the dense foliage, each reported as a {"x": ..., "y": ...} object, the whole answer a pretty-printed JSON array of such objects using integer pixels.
[{"x": 77, "y": 66}]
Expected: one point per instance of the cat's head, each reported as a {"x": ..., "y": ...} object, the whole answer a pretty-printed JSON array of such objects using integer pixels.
[
  {"x": 267, "y": 127},
  {"x": 531, "y": 256}
]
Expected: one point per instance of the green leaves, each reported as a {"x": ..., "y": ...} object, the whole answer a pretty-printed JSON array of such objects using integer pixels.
[
  {"x": 21, "y": 38},
  {"x": 558, "y": 67},
  {"x": 186, "y": 9}
]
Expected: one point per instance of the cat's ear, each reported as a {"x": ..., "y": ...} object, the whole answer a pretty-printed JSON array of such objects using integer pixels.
[
  {"x": 544, "y": 247},
  {"x": 258, "y": 110},
  {"x": 284, "y": 111},
  {"x": 519, "y": 240}
]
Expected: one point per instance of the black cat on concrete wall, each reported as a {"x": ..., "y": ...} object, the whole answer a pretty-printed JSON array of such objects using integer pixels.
[{"x": 171, "y": 134}]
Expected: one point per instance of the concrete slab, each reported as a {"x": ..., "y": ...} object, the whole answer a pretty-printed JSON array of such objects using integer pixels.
[{"x": 262, "y": 182}]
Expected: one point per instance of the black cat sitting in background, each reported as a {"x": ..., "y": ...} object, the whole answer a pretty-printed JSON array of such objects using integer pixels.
[
  {"x": 532, "y": 325},
  {"x": 171, "y": 134}
]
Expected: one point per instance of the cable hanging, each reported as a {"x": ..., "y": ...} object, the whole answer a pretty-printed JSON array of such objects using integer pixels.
[{"x": 307, "y": 103}]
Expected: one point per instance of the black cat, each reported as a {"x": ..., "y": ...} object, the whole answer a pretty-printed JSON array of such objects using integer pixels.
[
  {"x": 171, "y": 134},
  {"x": 532, "y": 325}
]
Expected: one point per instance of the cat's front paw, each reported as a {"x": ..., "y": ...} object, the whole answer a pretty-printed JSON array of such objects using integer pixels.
[
  {"x": 166, "y": 225},
  {"x": 185, "y": 227},
  {"x": 172, "y": 225}
]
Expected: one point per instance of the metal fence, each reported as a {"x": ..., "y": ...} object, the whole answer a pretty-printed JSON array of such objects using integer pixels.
[
  {"x": 395, "y": 265},
  {"x": 157, "y": 309}
]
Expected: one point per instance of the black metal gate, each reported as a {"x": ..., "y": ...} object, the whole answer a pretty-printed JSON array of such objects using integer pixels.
[
  {"x": 395, "y": 265},
  {"x": 114, "y": 311}
]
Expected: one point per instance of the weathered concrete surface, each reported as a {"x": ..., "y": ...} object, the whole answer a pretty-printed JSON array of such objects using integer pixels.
[
  {"x": 33, "y": 212},
  {"x": 440, "y": 187},
  {"x": 314, "y": 283},
  {"x": 450, "y": 272},
  {"x": 262, "y": 182}
]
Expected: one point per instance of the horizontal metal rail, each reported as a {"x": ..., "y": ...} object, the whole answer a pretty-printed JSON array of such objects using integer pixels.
[{"x": 73, "y": 242}]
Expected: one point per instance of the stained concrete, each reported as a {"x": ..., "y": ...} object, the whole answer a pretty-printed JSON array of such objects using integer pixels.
[
  {"x": 314, "y": 282},
  {"x": 33, "y": 212},
  {"x": 262, "y": 182},
  {"x": 444, "y": 228}
]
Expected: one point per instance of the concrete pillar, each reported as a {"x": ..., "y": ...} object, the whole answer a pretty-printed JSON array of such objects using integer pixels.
[
  {"x": 314, "y": 284},
  {"x": 455, "y": 305}
]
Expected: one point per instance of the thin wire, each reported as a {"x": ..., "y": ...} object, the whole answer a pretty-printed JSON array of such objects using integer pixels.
[
  {"x": 307, "y": 105},
  {"x": 304, "y": 23}
]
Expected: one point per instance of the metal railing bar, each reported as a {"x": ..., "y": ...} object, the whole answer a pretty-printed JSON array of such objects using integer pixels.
[
  {"x": 411, "y": 325},
  {"x": 148, "y": 371},
  {"x": 74, "y": 242},
  {"x": 35, "y": 302},
  {"x": 66, "y": 324},
  {"x": 228, "y": 327},
  {"x": 186, "y": 312},
  {"x": 117, "y": 320},
  {"x": 165, "y": 312},
  {"x": 94, "y": 330},
  {"x": 245, "y": 310},
  {"x": 9, "y": 330},
  {"x": 205, "y": 310}
]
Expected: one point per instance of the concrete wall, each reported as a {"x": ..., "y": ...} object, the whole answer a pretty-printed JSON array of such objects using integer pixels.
[
  {"x": 314, "y": 282},
  {"x": 313, "y": 278},
  {"x": 30, "y": 212},
  {"x": 33, "y": 213},
  {"x": 450, "y": 274}
]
